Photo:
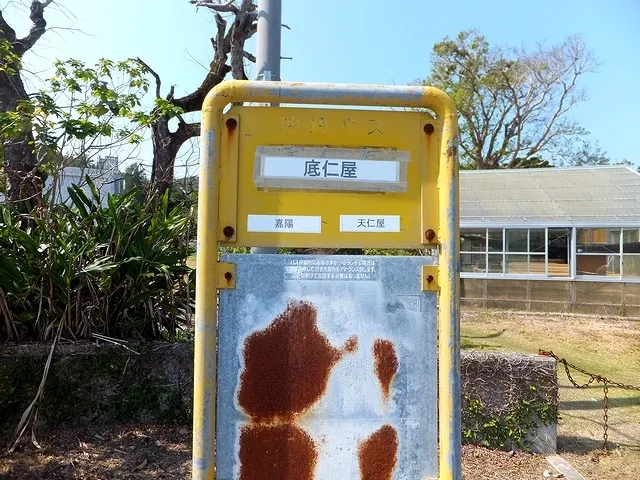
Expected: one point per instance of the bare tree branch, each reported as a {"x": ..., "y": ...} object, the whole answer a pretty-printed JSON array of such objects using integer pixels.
[
  {"x": 244, "y": 19},
  {"x": 6, "y": 31},
  {"x": 512, "y": 103},
  {"x": 192, "y": 130},
  {"x": 153, "y": 74},
  {"x": 229, "y": 54},
  {"x": 225, "y": 44},
  {"x": 229, "y": 7},
  {"x": 217, "y": 71},
  {"x": 37, "y": 29}
]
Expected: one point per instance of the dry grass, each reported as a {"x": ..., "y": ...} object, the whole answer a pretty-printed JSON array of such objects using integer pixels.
[{"x": 605, "y": 346}]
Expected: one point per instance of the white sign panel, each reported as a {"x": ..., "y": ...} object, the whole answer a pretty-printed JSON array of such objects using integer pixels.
[
  {"x": 311, "y": 168},
  {"x": 284, "y": 223},
  {"x": 369, "y": 223}
]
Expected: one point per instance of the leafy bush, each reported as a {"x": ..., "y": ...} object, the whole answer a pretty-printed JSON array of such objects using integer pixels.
[{"x": 117, "y": 270}]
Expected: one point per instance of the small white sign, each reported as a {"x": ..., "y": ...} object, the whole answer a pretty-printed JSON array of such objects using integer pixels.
[
  {"x": 284, "y": 223},
  {"x": 369, "y": 223},
  {"x": 311, "y": 168}
]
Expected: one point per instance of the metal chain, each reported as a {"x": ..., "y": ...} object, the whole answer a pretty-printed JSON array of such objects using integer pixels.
[
  {"x": 593, "y": 377},
  {"x": 605, "y": 416}
]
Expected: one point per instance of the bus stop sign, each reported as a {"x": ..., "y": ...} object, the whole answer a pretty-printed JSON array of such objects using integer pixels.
[{"x": 327, "y": 366}]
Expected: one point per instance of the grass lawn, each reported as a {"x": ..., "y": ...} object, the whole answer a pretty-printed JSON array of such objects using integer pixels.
[{"x": 606, "y": 346}]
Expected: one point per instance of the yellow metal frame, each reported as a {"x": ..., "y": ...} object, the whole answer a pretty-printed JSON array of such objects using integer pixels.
[
  {"x": 245, "y": 129},
  {"x": 220, "y": 152},
  {"x": 430, "y": 281}
]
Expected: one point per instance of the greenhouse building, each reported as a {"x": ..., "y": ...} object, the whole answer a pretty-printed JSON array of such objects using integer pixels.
[{"x": 553, "y": 239}]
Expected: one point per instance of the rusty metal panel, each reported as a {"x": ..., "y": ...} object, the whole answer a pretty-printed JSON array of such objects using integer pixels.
[{"x": 327, "y": 369}]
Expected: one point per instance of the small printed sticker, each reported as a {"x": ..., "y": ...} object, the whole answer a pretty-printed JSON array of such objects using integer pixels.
[
  {"x": 284, "y": 224},
  {"x": 369, "y": 223}
]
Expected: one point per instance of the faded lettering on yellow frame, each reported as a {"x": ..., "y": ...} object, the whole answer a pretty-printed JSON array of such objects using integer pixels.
[{"x": 328, "y": 178}]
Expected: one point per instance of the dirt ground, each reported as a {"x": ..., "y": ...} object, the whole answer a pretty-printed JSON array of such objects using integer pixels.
[
  {"x": 152, "y": 452},
  {"x": 607, "y": 346}
]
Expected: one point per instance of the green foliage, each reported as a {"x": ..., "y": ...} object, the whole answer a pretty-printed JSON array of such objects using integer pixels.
[
  {"x": 512, "y": 102},
  {"x": 135, "y": 178},
  {"x": 84, "y": 108},
  {"x": 10, "y": 61},
  {"x": 588, "y": 154},
  {"x": 508, "y": 428},
  {"x": 118, "y": 270}
]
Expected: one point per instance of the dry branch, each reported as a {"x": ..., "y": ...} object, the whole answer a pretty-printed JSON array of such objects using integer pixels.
[
  {"x": 153, "y": 73},
  {"x": 229, "y": 54}
]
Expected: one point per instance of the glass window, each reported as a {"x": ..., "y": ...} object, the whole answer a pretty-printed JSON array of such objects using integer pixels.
[
  {"x": 559, "y": 249},
  {"x": 536, "y": 265},
  {"x": 517, "y": 240},
  {"x": 517, "y": 264},
  {"x": 473, "y": 262},
  {"x": 598, "y": 240},
  {"x": 495, "y": 263},
  {"x": 537, "y": 241},
  {"x": 631, "y": 240},
  {"x": 600, "y": 265},
  {"x": 473, "y": 240},
  {"x": 631, "y": 266},
  {"x": 495, "y": 240}
]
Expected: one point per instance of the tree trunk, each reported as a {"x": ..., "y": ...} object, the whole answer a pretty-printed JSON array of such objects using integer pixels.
[
  {"x": 25, "y": 180},
  {"x": 165, "y": 150}
]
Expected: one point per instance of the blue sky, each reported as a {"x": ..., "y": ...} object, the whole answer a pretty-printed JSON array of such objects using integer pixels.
[{"x": 357, "y": 41}]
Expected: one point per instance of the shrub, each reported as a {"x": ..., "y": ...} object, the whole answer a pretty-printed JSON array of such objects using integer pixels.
[{"x": 117, "y": 270}]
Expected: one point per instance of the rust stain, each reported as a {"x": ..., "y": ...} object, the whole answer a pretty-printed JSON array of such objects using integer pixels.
[
  {"x": 287, "y": 365},
  {"x": 386, "y": 364},
  {"x": 231, "y": 124},
  {"x": 286, "y": 370},
  {"x": 378, "y": 454},
  {"x": 351, "y": 346},
  {"x": 276, "y": 452}
]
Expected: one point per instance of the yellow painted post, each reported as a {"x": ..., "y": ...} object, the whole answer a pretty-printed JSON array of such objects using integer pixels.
[
  {"x": 206, "y": 335},
  {"x": 449, "y": 393},
  {"x": 447, "y": 237}
]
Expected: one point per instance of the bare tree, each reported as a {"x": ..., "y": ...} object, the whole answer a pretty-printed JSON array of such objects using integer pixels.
[
  {"x": 229, "y": 56},
  {"x": 513, "y": 103},
  {"x": 24, "y": 178}
]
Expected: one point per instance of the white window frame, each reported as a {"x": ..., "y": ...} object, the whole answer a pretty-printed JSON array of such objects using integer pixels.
[{"x": 572, "y": 254}]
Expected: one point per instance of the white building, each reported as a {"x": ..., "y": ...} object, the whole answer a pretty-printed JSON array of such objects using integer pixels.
[
  {"x": 105, "y": 175},
  {"x": 551, "y": 239}
]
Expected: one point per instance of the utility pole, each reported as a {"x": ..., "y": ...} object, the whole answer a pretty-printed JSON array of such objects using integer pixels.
[
  {"x": 268, "y": 55},
  {"x": 269, "y": 40}
]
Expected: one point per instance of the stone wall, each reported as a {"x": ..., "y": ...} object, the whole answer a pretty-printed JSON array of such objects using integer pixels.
[
  {"x": 504, "y": 392},
  {"x": 89, "y": 383}
]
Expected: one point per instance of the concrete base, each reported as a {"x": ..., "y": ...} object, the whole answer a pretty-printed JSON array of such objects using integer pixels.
[
  {"x": 564, "y": 468},
  {"x": 544, "y": 439}
]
